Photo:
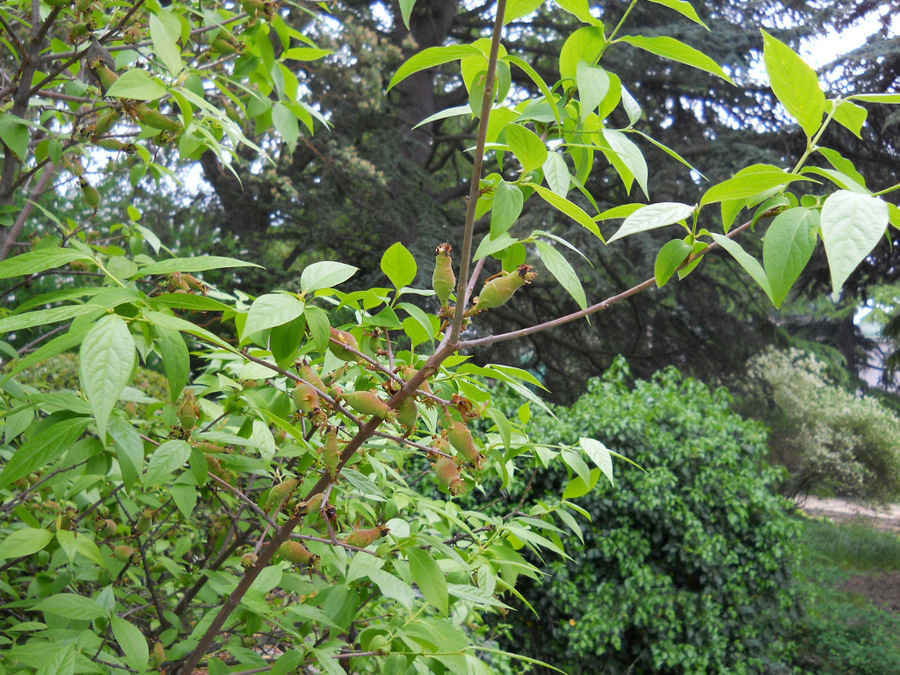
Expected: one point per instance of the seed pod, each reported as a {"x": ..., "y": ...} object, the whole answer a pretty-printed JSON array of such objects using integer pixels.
[
  {"x": 447, "y": 472},
  {"x": 188, "y": 411},
  {"x": 111, "y": 144},
  {"x": 461, "y": 439},
  {"x": 158, "y": 653},
  {"x": 78, "y": 32},
  {"x": 407, "y": 414},
  {"x": 308, "y": 373},
  {"x": 143, "y": 523},
  {"x": 226, "y": 47},
  {"x": 408, "y": 373},
  {"x": 248, "y": 560},
  {"x": 311, "y": 506},
  {"x": 106, "y": 121},
  {"x": 443, "y": 280},
  {"x": 155, "y": 119},
  {"x": 279, "y": 494},
  {"x": 297, "y": 553},
  {"x": 123, "y": 553},
  {"x": 105, "y": 75},
  {"x": 132, "y": 34},
  {"x": 82, "y": 6},
  {"x": 213, "y": 465},
  {"x": 195, "y": 284},
  {"x": 331, "y": 451},
  {"x": 106, "y": 528},
  {"x": 368, "y": 403},
  {"x": 364, "y": 537},
  {"x": 305, "y": 397},
  {"x": 498, "y": 291},
  {"x": 89, "y": 193},
  {"x": 340, "y": 340}
]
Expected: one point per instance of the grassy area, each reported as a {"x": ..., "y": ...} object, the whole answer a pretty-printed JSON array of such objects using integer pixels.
[{"x": 840, "y": 633}]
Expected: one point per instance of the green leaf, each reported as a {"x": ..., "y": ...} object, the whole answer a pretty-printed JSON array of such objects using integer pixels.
[
  {"x": 106, "y": 360},
  {"x": 270, "y": 310},
  {"x": 676, "y": 50},
  {"x": 669, "y": 259},
  {"x": 593, "y": 85},
  {"x": 556, "y": 173},
  {"x": 842, "y": 164},
  {"x": 683, "y": 8},
  {"x": 572, "y": 210},
  {"x": 200, "y": 263},
  {"x": 406, "y": 7},
  {"x": 600, "y": 455},
  {"x": 516, "y": 9},
  {"x": 175, "y": 358},
  {"x": 626, "y": 156},
  {"x": 165, "y": 460},
  {"x": 750, "y": 264},
  {"x": 43, "y": 317},
  {"x": 749, "y": 182},
  {"x": 325, "y": 274},
  {"x": 59, "y": 661},
  {"x": 14, "y": 133},
  {"x": 129, "y": 450},
  {"x": 585, "y": 44},
  {"x": 560, "y": 268},
  {"x": 787, "y": 247},
  {"x": 507, "y": 206},
  {"x": 392, "y": 587},
  {"x": 527, "y": 146},
  {"x": 137, "y": 84},
  {"x": 849, "y": 115},
  {"x": 56, "y": 346},
  {"x": 164, "y": 44},
  {"x": 287, "y": 125},
  {"x": 25, "y": 542},
  {"x": 430, "y": 578},
  {"x": 399, "y": 265},
  {"x": 581, "y": 10},
  {"x": 132, "y": 642},
  {"x": 651, "y": 217},
  {"x": 40, "y": 260},
  {"x": 433, "y": 56},
  {"x": 852, "y": 225},
  {"x": 195, "y": 303},
  {"x": 877, "y": 98},
  {"x": 795, "y": 84},
  {"x": 71, "y": 606},
  {"x": 50, "y": 440}
]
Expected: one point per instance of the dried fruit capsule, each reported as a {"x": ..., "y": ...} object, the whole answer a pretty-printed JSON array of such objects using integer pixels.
[
  {"x": 363, "y": 537},
  {"x": 498, "y": 291},
  {"x": 297, "y": 553},
  {"x": 447, "y": 472},
  {"x": 368, "y": 403},
  {"x": 280, "y": 493},
  {"x": 340, "y": 340},
  {"x": 461, "y": 439},
  {"x": 443, "y": 280},
  {"x": 305, "y": 397}
]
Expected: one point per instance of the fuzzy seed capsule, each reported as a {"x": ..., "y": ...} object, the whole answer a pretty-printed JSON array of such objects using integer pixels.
[
  {"x": 408, "y": 414},
  {"x": 280, "y": 493},
  {"x": 248, "y": 560},
  {"x": 123, "y": 553},
  {"x": 105, "y": 122},
  {"x": 498, "y": 291},
  {"x": 461, "y": 439},
  {"x": 90, "y": 194},
  {"x": 155, "y": 119},
  {"x": 331, "y": 451},
  {"x": 105, "y": 75},
  {"x": 364, "y": 537},
  {"x": 447, "y": 472},
  {"x": 443, "y": 280},
  {"x": 297, "y": 553},
  {"x": 188, "y": 411},
  {"x": 305, "y": 397},
  {"x": 368, "y": 403},
  {"x": 340, "y": 340},
  {"x": 308, "y": 373}
]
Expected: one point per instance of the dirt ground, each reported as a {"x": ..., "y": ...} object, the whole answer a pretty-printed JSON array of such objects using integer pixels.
[{"x": 882, "y": 588}]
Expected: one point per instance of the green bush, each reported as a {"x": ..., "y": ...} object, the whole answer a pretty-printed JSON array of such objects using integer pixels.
[
  {"x": 686, "y": 567},
  {"x": 832, "y": 441}
]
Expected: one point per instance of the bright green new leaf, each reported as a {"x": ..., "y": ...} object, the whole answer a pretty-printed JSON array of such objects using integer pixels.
[
  {"x": 849, "y": 115},
  {"x": 877, "y": 98},
  {"x": 39, "y": 260},
  {"x": 270, "y": 310},
  {"x": 59, "y": 661},
  {"x": 132, "y": 642},
  {"x": 25, "y": 542},
  {"x": 852, "y": 225},
  {"x": 507, "y": 206},
  {"x": 593, "y": 85},
  {"x": 392, "y": 587},
  {"x": 175, "y": 358},
  {"x": 669, "y": 259},
  {"x": 129, "y": 450},
  {"x": 199, "y": 263},
  {"x": 627, "y": 159},
  {"x": 165, "y": 44},
  {"x": 325, "y": 274},
  {"x": 585, "y": 44},
  {"x": 651, "y": 217},
  {"x": 556, "y": 173},
  {"x": 787, "y": 247},
  {"x": 287, "y": 125},
  {"x": 795, "y": 84},
  {"x": 750, "y": 264},
  {"x": 429, "y": 577},
  {"x": 406, "y": 8},
  {"x": 842, "y": 164},
  {"x": 137, "y": 84},
  {"x": 572, "y": 210},
  {"x": 14, "y": 133},
  {"x": 516, "y": 9},
  {"x": 428, "y": 58},
  {"x": 70, "y": 606},
  {"x": 581, "y": 10},
  {"x": 527, "y": 146},
  {"x": 600, "y": 455},
  {"x": 683, "y": 8},
  {"x": 43, "y": 317},
  {"x": 676, "y": 50},
  {"x": 166, "y": 459},
  {"x": 560, "y": 268},
  {"x": 106, "y": 360},
  {"x": 748, "y": 182},
  {"x": 399, "y": 265}
]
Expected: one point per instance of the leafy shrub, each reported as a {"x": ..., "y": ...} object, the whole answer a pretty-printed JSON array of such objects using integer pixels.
[
  {"x": 686, "y": 567},
  {"x": 831, "y": 440}
]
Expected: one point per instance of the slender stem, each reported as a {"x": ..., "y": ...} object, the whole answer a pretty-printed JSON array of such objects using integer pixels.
[{"x": 593, "y": 309}]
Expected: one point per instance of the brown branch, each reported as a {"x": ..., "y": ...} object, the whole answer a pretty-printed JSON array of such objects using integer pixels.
[{"x": 16, "y": 230}]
